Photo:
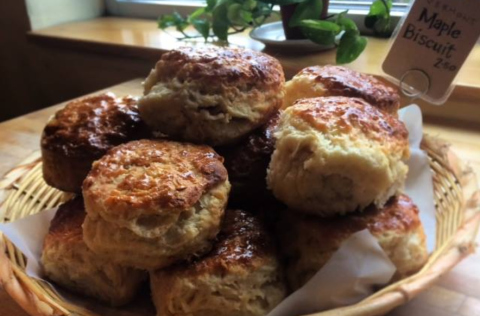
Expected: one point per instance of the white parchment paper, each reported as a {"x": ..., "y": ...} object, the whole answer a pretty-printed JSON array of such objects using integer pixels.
[
  {"x": 351, "y": 274},
  {"x": 419, "y": 184},
  {"x": 27, "y": 234}
]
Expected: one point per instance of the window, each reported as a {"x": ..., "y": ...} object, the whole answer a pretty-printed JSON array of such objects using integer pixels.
[
  {"x": 150, "y": 8},
  {"x": 154, "y": 8}
]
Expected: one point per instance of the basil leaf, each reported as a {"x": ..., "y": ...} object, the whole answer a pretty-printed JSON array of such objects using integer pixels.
[
  {"x": 203, "y": 27},
  {"x": 220, "y": 23},
  {"x": 306, "y": 10},
  {"x": 350, "y": 47},
  {"x": 319, "y": 31}
]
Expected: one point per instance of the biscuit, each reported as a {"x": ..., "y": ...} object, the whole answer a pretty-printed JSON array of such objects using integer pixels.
[
  {"x": 311, "y": 241},
  {"x": 247, "y": 163},
  {"x": 335, "y": 155},
  {"x": 239, "y": 277},
  {"x": 211, "y": 95},
  {"x": 151, "y": 202},
  {"x": 82, "y": 132},
  {"x": 67, "y": 261},
  {"x": 325, "y": 81}
]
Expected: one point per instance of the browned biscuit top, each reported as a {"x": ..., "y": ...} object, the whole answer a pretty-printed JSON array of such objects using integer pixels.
[
  {"x": 90, "y": 126},
  {"x": 250, "y": 158},
  {"x": 220, "y": 65},
  {"x": 343, "y": 81},
  {"x": 242, "y": 242},
  {"x": 262, "y": 140},
  {"x": 154, "y": 173},
  {"x": 399, "y": 215},
  {"x": 66, "y": 225},
  {"x": 343, "y": 115}
]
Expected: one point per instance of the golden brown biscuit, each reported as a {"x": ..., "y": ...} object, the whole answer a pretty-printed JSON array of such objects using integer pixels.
[
  {"x": 82, "y": 132},
  {"x": 325, "y": 81},
  {"x": 67, "y": 261},
  {"x": 239, "y": 277},
  {"x": 311, "y": 241},
  {"x": 211, "y": 95},
  {"x": 335, "y": 155},
  {"x": 151, "y": 203},
  {"x": 247, "y": 162}
]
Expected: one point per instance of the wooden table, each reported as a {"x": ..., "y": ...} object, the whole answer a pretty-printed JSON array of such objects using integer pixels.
[{"x": 456, "y": 293}]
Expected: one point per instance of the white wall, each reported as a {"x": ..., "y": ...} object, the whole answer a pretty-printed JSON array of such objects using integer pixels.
[{"x": 45, "y": 13}]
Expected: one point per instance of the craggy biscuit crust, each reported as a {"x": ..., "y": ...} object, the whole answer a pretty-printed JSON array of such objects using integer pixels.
[
  {"x": 69, "y": 262},
  {"x": 83, "y": 131},
  {"x": 313, "y": 240},
  {"x": 88, "y": 127},
  {"x": 335, "y": 155},
  {"x": 240, "y": 276},
  {"x": 317, "y": 81},
  {"x": 153, "y": 176},
  {"x": 343, "y": 115},
  {"x": 212, "y": 96},
  {"x": 247, "y": 162},
  {"x": 151, "y": 203}
]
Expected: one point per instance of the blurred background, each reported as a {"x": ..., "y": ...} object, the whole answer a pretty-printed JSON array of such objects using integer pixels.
[
  {"x": 56, "y": 50},
  {"x": 38, "y": 71}
]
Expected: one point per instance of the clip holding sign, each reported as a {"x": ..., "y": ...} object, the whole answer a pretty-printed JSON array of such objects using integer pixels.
[
  {"x": 430, "y": 46},
  {"x": 414, "y": 83}
]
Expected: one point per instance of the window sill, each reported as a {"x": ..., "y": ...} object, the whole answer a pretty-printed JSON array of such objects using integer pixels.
[{"x": 138, "y": 38}]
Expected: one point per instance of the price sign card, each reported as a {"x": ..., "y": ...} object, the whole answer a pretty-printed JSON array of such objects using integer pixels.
[{"x": 432, "y": 44}]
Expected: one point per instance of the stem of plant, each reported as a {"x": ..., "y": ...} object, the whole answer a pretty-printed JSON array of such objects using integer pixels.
[
  {"x": 256, "y": 24},
  {"x": 238, "y": 30},
  {"x": 386, "y": 7}
]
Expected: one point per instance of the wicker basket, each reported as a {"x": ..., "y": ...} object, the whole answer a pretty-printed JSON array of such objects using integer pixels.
[{"x": 23, "y": 192}]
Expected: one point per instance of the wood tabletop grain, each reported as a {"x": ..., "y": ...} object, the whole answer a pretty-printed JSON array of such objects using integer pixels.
[{"x": 457, "y": 293}]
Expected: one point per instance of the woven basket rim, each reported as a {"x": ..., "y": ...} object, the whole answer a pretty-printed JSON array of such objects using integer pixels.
[{"x": 36, "y": 303}]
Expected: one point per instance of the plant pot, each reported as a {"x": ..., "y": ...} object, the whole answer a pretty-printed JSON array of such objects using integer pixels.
[{"x": 287, "y": 12}]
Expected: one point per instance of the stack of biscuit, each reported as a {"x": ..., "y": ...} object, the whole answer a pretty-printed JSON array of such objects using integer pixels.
[
  {"x": 324, "y": 154},
  {"x": 152, "y": 193},
  {"x": 339, "y": 164}
]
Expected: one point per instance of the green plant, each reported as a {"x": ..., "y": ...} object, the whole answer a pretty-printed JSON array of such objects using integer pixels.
[
  {"x": 335, "y": 30},
  {"x": 379, "y": 18},
  {"x": 221, "y": 18}
]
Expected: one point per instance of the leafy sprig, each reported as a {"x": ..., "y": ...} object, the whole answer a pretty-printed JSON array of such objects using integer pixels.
[
  {"x": 379, "y": 18},
  {"x": 221, "y": 18},
  {"x": 341, "y": 32}
]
